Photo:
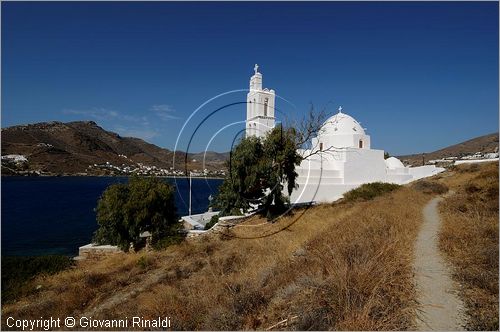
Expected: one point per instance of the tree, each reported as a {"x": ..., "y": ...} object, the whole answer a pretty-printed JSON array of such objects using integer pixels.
[
  {"x": 258, "y": 170},
  {"x": 243, "y": 187},
  {"x": 124, "y": 211},
  {"x": 280, "y": 148}
]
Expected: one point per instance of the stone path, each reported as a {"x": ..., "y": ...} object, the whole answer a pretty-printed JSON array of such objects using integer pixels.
[{"x": 440, "y": 306}]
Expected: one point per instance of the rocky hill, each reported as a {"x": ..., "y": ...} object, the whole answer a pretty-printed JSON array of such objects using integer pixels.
[
  {"x": 483, "y": 144},
  {"x": 70, "y": 148}
]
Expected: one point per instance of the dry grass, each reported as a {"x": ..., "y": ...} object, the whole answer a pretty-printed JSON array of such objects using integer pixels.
[
  {"x": 469, "y": 238},
  {"x": 344, "y": 266},
  {"x": 430, "y": 187},
  {"x": 80, "y": 287}
]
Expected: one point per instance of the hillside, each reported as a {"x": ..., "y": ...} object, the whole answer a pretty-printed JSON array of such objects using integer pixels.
[
  {"x": 485, "y": 144},
  {"x": 317, "y": 273},
  {"x": 341, "y": 266},
  {"x": 69, "y": 148}
]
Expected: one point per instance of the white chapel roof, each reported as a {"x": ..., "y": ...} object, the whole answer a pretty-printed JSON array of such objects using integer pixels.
[
  {"x": 341, "y": 124},
  {"x": 393, "y": 163}
]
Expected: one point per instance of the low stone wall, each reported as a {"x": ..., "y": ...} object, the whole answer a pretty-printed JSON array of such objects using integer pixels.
[
  {"x": 222, "y": 224},
  {"x": 96, "y": 251},
  {"x": 473, "y": 161}
]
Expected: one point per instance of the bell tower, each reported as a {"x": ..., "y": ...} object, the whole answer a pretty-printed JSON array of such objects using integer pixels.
[{"x": 260, "y": 107}]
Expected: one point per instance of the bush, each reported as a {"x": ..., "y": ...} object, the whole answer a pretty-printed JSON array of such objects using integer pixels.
[
  {"x": 17, "y": 272},
  {"x": 428, "y": 187},
  {"x": 124, "y": 211},
  {"x": 464, "y": 168},
  {"x": 212, "y": 222},
  {"x": 144, "y": 262},
  {"x": 173, "y": 238},
  {"x": 369, "y": 191},
  {"x": 471, "y": 188}
]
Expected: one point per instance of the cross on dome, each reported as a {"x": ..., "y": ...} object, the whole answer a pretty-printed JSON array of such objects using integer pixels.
[{"x": 340, "y": 109}]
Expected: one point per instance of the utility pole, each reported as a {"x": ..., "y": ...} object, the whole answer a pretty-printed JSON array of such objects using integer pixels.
[{"x": 190, "y": 188}]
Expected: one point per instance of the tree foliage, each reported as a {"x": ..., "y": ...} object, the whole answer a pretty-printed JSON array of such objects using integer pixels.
[
  {"x": 258, "y": 171},
  {"x": 242, "y": 186},
  {"x": 124, "y": 211}
]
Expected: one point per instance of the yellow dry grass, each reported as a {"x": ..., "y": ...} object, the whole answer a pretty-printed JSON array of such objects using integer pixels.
[
  {"x": 345, "y": 266},
  {"x": 469, "y": 238}
]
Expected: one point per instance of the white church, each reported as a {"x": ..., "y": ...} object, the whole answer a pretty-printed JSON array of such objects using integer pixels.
[{"x": 340, "y": 159}]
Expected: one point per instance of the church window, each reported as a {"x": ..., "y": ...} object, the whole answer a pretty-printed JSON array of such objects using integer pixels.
[
  {"x": 360, "y": 144},
  {"x": 265, "y": 106},
  {"x": 321, "y": 146}
]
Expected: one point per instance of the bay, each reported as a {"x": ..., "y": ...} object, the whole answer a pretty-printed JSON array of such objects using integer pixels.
[{"x": 55, "y": 215}]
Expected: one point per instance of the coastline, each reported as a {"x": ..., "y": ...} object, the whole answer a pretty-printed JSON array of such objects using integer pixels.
[{"x": 111, "y": 175}]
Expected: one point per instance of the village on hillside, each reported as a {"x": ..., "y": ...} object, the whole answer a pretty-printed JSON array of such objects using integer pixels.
[{"x": 18, "y": 165}]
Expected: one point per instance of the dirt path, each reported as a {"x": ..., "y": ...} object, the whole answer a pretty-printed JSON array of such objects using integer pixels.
[{"x": 440, "y": 307}]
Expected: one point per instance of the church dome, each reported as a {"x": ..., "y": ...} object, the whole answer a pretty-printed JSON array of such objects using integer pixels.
[
  {"x": 342, "y": 124},
  {"x": 393, "y": 163}
]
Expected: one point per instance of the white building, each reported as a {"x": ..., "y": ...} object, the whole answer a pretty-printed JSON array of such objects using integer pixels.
[
  {"x": 260, "y": 107},
  {"x": 340, "y": 158}
]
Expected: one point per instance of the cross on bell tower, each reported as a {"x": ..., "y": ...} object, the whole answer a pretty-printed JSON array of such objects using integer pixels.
[{"x": 260, "y": 107}]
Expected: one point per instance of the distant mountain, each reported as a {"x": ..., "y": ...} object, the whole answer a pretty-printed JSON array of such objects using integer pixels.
[
  {"x": 69, "y": 148},
  {"x": 485, "y": 144},
  {"x": 210, "y": 156}
]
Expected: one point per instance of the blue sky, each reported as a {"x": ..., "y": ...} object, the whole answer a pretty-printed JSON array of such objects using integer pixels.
[{"x": 419, "y": 75}]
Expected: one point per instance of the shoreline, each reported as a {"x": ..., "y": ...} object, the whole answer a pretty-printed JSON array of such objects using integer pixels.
[{"x": 113, "y": 176}]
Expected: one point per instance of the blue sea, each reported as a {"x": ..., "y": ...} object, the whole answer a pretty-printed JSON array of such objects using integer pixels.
[{"x": 55, "y": 215}]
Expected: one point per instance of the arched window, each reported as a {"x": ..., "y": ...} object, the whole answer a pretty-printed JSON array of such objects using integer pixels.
[
  {"x": 321, "y": 146},
  {"x": 265, "y": 106},
  {"x": 360, "y": 144}
]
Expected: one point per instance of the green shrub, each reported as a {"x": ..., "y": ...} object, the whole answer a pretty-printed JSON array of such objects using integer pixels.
[
  {"x": 18, "y": 271},
  {"x": 173, "y": 238},
  {"x": 369, "y": 191},
  {"x": 212, "y": 222}
]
